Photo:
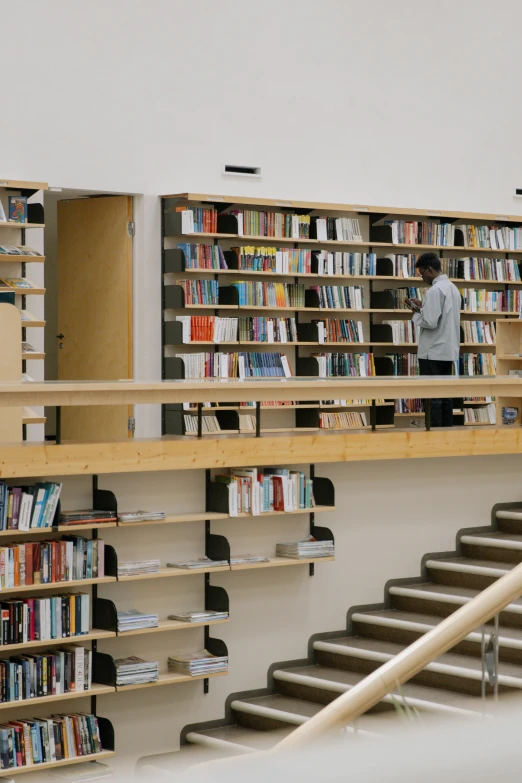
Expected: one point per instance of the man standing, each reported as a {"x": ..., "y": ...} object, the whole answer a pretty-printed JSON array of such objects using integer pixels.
[{"x": 438, "y": 322}]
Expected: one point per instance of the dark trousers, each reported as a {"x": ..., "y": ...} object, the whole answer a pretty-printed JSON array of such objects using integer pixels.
[{"x": 441, "y": 409}]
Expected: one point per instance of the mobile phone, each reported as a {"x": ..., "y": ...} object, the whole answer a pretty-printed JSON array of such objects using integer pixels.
[{"x": 413, "y": 305}]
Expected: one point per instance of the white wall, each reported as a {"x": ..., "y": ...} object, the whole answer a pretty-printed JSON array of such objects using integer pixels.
[{"x": 408, "y": 103}]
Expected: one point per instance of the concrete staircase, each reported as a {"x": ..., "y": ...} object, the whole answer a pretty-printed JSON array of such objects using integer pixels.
[{"x": 451, "y": 685}]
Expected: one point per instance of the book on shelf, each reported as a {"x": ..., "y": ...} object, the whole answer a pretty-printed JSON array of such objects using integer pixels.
[
  {"x": 17, "y": 209},
  {"x": 201, "y": 256},
  {"x": 403, "y": 331},
  {"x": 339, "y": 263},
  {"x": 345, "y": 420},
  {"x": 18, "y": 250},
  {"x": 248, "y": 559},
  {"x": 493, "y": 301},
  {"x": 69, "y": 559},
  {"x": 509, "y": 415},
  {"x": 133, "y": 620},
  {"x": 340, "y": 297},
  {"x": 27, "y": 347},
  {"x": 251, "y": 222},
  {"x": 200, "y": 292},
  {"x": 403, "y": 264},
  {"x": 477, "y": 364},
  {"x": 44, "y": 618},
  {"x": 267, "y": 330},
  {"x": 409, "y": 406},
  {"x": 281, "y": 261},
  {"x": 141, "y": 516},
  {"x": 198, "y": 663},
  {"x": 483, "y": 415},
  {"x": 135, "y": 671},
  {"x": 247, "y": 422},
  {"x": 398, "y": 295},
  {"x": 344, "y": 365},
  {"x": 253, "y": 491},
  {"x": 200, "y": 220},
  {"x": 257, "y": 293},
  {"x": 33, "y": 741},
  {"x": 235, "y": 365},
  {"x": 138, "y": 567},
  {"x": 18, "y": 283},
  {"x": 29, "y": 507},
  {"x": 3, "y": 216},
  {"x": 208, "y": 328},
  {"x": 326, "y": 228},
  {"x": 86, "y": 516},
  {"x": 503, "y": 270},
  {"x": 196, "y": 565},
  {"x": 404, "y": 364},
  {"x": 202, "y": 616},
  {"x": 308, "y": 547},
  {"x": 209, "y": 424},
  {"x": 336, "y": 330},
  {"x": 65, "y": 670},
  {"x": 479, "y": 332}
]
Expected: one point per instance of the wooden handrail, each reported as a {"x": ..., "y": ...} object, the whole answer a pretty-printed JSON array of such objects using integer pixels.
[
  {"x": 73, "y": 393},
  {"x": 348, "y": 707}
]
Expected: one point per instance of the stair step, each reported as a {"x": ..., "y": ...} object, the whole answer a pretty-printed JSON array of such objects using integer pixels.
[
  {"x": 422, "y": 623},
  {"x": 449, "y": 664},
  {"x": 494, "y": 540},
  {"x": 466, "y": 565},
  {"x": 517, "y": 515},
  {"x": 283, "y": 709},
  {"x": 237, "y": 739},
  {"x": 338, "y": 681}
]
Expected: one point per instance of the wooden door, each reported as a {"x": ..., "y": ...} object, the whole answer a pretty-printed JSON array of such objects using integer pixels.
[{"x": 95, "y": 308}]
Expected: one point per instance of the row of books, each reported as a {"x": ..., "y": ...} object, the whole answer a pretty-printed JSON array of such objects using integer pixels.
[
  {"x": 403, "y": 331},
  {"x": 339, "y": 263},
  {"x": 494, "y": 237},
  {"x": 425, "y": 232},
  {"x": 202, "y": 256},
  {"x": 334, "y": 228},
  {"x": 501, "y": 269},
  {"x": 138, "y": 567},
  {"x": 409, "y": 406},
  {"x": 334, "y": 330},
  {"x": 340, "y": 297},
  {"x": 86, "y": 516},
  {"x": 267, "y": 330},
  {"x": 269, "y": 294},
  {"x": 479, "y": 332},
  {"x": 476, "y": 300},
  {"x": 135, "y": 671},
  {"x": 271, "y": 224},
  {"x": 344, "y": 365},
  {"x": 35, "y": 741},
  {"x": 24, "y": 508},
  {"x": 309, "y": 547},
  {"x": 67, "y": 670},
  {"x": 477, "y": 364},
  {"x": 235, "y": 365},
  {"x": 208, "y": 328},
  {"x": 345, "y": 420},
  {"x": 198, "y": 220},
  {"x": 42, "y": 619},
  {"x": 198, "y": 664},
  {"x": 208, "y": 424},
  {"x": 200, "y": 292},
  {"x": 281, "y": 261},
  {"x": 398, "y": 295},
  {"x": 253, "y": 491},
  {"x": 486, "y": 414},
  {"x": 17, "y": 283},
  {"x": 404, "y": 363},
  {"x": 69, "y": 559}
]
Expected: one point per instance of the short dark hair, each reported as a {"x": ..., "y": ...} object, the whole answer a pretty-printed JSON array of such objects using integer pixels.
[{"x": 429, "y": 260}]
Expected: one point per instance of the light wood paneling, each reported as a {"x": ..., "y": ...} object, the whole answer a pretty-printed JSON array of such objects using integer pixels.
[
  {"x": 10, "y": 370},
  {"x": 95, "y": 306}
]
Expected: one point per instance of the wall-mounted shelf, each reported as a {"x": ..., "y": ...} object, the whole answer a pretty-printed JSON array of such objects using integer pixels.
[
  {"x": 22, "y": 226},
  {"x": 104, "y": 754},
  {"x": 95, "y": 690}
]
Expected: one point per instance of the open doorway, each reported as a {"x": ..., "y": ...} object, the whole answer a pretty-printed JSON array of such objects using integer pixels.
[{"x": 88, "y": 336}]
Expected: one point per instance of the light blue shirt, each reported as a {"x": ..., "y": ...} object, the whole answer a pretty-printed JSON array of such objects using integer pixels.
[{"x": 439, "y": 321}]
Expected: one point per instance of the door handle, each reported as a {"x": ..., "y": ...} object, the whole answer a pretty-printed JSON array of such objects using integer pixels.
[{"x": 60, "y": 337}]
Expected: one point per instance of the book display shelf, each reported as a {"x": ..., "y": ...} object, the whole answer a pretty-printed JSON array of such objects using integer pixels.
[
  {"x": 17, "y": 257},
  {"x": 234, "y": 268},
  {"x": 103, "y": 622}
]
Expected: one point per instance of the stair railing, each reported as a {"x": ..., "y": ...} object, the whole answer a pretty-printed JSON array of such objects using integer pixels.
[{"x": 402, "y": 667}]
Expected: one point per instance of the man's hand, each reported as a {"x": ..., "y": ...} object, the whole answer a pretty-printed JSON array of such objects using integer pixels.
[
  {"x": 417, "y": 302},
  {"x": 413, "y": 304}
]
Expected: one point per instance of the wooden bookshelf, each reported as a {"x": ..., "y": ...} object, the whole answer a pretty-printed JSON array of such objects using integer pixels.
[
  {"x": 95, "y": 690},
  {"x": 31, "y": 321},
  {"x": 170, "y": 678},
  {"x": 94, "y": 633},
  {"x": 57, "y": 585},
  {"x": 279, "y": 562},
  {"x": 169, "y": 573},
  {"x": 508, "y": 345},
  {"x": 35, "y": 768},
  {"x": 170, "y": 625}
]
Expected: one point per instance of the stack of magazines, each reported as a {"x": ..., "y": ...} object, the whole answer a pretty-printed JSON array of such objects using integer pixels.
[
  {"x": 138, "y": 567},
  {"x": 136, "y": 621},
  {"x": 310, "y": 547},
  {"x": 84, "y": 517},
  {"x": 203, "y": 562},
  {"x": 204, "y": 616},
  {"x": 141, "y": 516},
  {"x": 198, "y": 663},
  {"x": 244, "y": 559},
  {"x": 135, "y": 671}
]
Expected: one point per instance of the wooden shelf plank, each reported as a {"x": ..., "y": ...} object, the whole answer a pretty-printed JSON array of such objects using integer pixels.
[
  {"x": 29, "y": 416},
  {"x": 60, "y": 529},
  {"x": 169, "y": 573},
  {"x": 277, "y": 562},
  {"x": 28, "y": 291},
  {"x": 20, "y": 184},
  {"x": 6, "y": 258},
  {"x": 95, "y": 633},
  {"x": 12, "y": 224},
  {"x": 170, "y": 625},
  {"x": 31, "y": 321},
  {"x": 170, "y": 678},
  {"x": 96, "y": 690},
  {"x": 57, "y": 585},
  {"x": 196, "y": 516},
  {"x": 28, "y": 355},
  {"x": 15, "y": 771}
]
